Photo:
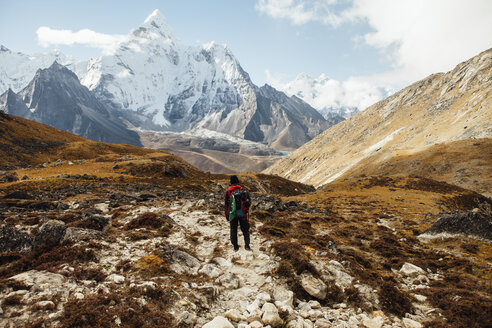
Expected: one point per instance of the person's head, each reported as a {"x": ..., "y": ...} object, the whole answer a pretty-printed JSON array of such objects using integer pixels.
[{"x": 234, "y": 180}]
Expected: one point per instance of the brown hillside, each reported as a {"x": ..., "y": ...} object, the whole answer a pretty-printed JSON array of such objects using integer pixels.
[
  {"x": 28, "y": 143},
  {"x": 442, "y": 108},
  {"x": 465, "y": 163}
]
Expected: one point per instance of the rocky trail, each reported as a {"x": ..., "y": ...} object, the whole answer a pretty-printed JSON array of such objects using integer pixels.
[{"x": 91, "y": 252}]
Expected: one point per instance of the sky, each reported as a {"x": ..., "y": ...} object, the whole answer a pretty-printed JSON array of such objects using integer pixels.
[{"x": 354, "y": 51}]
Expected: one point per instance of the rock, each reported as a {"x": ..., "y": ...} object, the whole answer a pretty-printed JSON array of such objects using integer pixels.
[
  {"x": 79, "y": 295},
  {"x": 222, "y": 262},
  {"x": 218, "y": 322},
  {"x": 187, "y": 318},
  {"x": 411, "y": 270},
  {"x": 95, "y": 222},
  {"x": 270, "y": 315},
  {"x": 13, "y": 240},
  {"x": 41, "y": 278},
  {"x": 378, "y": 314},
  {"x": 409, "y": 323},
  {"x": 376, "y": 322},
  {"x": 323, "y": 323},
  {"x": 228, "y": 280},
  {"x": 233, "y": 315},
  {"x": 18, "y": 195},
  {"x": 210, "y": 270},
  {"x": 314, "y": 304},
  {"x": 116, "y": 278},
  {"x": 470, "y": 223},
  {"x": 9, "y": 178},
  {"x": 315, "y": 314},
  {"x": 420, "y": 298},
  {"x": 145, "y": 196},
  {"x": 283, "y": 296},
  {"x": 256, "y": 324},
  {"x": 45, "y": 305},
  {"x": 313, "y": 286},
  {"x": 263, "y": 298},
  {"x": 254, "y": 315},
  {"x": 103, "y": 207},
  {"x": 73, "y": 234},
  {"x": 184, "y": 263},
  {"x": 52, "y": 231}
]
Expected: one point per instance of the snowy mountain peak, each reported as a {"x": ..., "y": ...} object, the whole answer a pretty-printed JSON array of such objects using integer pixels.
[
  {"x": 2, "y": 48},
  {"x": 157, "y": 21}
]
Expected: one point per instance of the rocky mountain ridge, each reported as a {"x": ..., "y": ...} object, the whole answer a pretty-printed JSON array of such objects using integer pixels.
[
  {"x": 55, "y": 97},
  {"x": 17, "y": 69},
  {"x": 442, "y": 108}
]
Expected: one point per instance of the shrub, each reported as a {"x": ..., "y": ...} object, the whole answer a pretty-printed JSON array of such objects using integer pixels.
[{"x": 394, "y": 300}]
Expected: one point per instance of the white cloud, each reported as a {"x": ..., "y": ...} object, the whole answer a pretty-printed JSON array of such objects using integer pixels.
[
  {"x": 300, "y": 12},
  {"x": 420, "y": 36},
  {"x": 48, "y": 37},
  {"x": 324, "y": 93}
]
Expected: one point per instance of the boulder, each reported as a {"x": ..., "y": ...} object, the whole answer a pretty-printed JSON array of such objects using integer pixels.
[
  {"x": 313, "y": 286},
  {"x": 53, "y": 231},
  {"x": 376, "y": 322},
  {"x": 74, "y": 234},
  {"x": 270, "y": 315},
  {"x": 116, "y": 278},
  {"x": 477, "y": 223},
  {"x": 233, "y": 315},
  {"x": 218, "y": 322},
  {"x": 210, "y": 270},
  {"x": 13, "y": 240},
  {"x": 411, "y": 270},
  {"x": 282, "y": 296},
  {"x": 256, "y": 324},
  {"x": 322, "y": 323},
  {"x": 9, "y": 178},
  {"x": 184, "y": 263},
  {"x": 18, "y": 195},
  {"x": 409, "y": 323},
  {"x": 43, "y": 279},
  {"x": 228, "y": 280},
  {"x": 187, "y": 318}
]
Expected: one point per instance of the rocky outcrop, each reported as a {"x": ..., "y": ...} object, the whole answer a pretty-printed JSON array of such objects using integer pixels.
[
  {"x": 13, "y": 240},
  {"x": 55, "y": 97},
  {"x": 476, "y": 223}
]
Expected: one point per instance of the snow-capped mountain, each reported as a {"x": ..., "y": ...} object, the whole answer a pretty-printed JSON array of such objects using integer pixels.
[
  {"x": 155, "y": 82},
  {"x": 55, "y": 97},
  {"x": 330, "y": 96},
  {"x": 17, "y": 69},
  {"x": 158, "y": 83}
]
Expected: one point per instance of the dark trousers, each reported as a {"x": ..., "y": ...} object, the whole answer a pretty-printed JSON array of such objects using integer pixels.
[{"x": 244, "y": 228}]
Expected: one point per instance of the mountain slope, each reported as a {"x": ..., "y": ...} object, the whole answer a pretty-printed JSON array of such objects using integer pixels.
[
  {"x": 441, "y": 108},
  {"x": 158, "y": 83},
  {"x": 25, "y": 143},
  {"x": 17, "y": 69},
  {"x": 55, "y": 97}
]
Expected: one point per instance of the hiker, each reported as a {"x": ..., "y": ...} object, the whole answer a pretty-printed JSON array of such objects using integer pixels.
[{"x": 237, "y": 204}]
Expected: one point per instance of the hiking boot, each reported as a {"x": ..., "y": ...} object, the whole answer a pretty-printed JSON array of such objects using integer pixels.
[
  {"x": 247, "y": 248},
  {"x": 236, "y": 247}
]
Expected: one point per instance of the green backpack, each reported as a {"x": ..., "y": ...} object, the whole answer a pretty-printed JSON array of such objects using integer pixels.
[{"x": 237, "y": 207}]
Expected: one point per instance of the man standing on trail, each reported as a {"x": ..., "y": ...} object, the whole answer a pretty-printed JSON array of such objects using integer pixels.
[{"x": 237, "y": 202}]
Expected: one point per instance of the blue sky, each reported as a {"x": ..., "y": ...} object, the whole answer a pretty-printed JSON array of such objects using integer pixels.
[
  {"x": 257, "y": 40},
  {"x": 366, "y": 43}
]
